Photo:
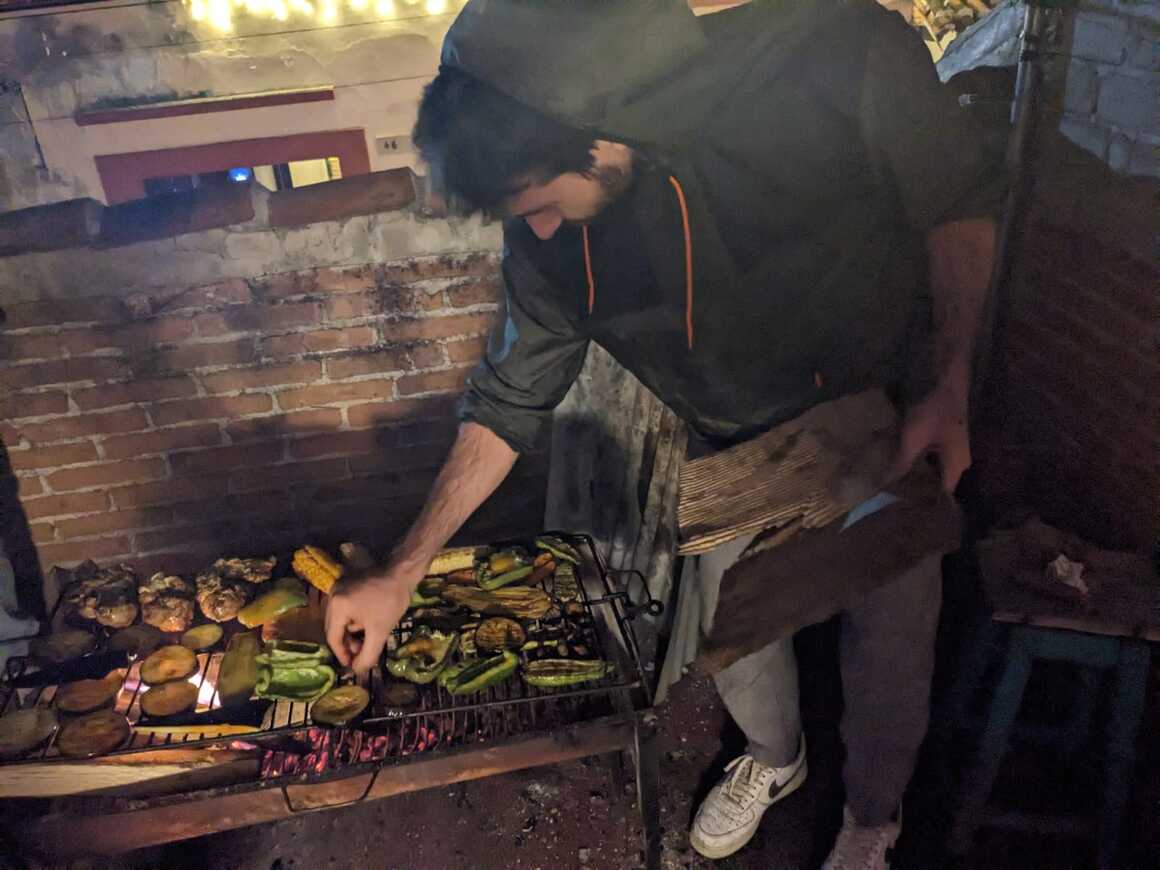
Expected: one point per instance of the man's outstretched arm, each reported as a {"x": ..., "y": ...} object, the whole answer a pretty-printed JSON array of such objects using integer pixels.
[{"x": 477, "y": 464}]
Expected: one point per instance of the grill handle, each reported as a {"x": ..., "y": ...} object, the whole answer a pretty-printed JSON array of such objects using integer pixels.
[
  {"x": 311, "y": 794},
  {"x": 632, "y": 609}
]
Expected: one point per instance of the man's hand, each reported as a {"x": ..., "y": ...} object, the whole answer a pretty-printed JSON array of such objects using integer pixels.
[
  {"x": 361, "y": 614},
  {"x": 937, "y": 424}
]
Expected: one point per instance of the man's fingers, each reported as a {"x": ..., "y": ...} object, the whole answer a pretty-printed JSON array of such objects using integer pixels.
[
  {"x": 373, "y": 642},
  {"x": 336, "y": 625}
]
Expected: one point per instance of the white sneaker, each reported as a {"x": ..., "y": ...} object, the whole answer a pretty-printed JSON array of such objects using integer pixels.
[
  {"x": 729, "y": 816},
  {"x": 859, "y": 848}
]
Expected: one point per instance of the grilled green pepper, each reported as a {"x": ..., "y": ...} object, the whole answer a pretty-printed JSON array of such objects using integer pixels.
[
  {"x": 466, "y": 678},
  {"x": 295, "y": 682},
  {"x": 421, "y": 658},
  {"x": 555, "y": 673},
  {"x": 562, "y": 550},
  {"x": 427, "y": 593},
  {"x": 278, "y": 653},
  {"x": 495, "y": 581},
  {"x": 270, "y": 605}
]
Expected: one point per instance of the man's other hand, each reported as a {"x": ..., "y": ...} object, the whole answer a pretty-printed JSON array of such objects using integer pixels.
[
  {"x": 937, "y": 424},
  {"x": 362, "y": 612}
]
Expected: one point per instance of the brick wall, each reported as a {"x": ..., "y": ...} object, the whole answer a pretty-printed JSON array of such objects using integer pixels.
[
  {"x": 168, "y": 425},
  {"x": 1074, "y": 422}
]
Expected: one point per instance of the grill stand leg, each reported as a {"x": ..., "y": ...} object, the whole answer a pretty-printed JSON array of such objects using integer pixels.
[{"x": 648, "y": 774}]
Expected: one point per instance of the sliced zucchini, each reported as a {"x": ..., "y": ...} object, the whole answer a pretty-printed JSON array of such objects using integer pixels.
[
  {"x": 94, "y": 734},
  {"x": 85, "y": 696},
  {"x": 137, "y": 640},
  {"x": 169, "y": 699},
  {"x": 169, "y": 663},
  {"x": 202, "y": 636},
  {"x": 340, "y": 706},
  {"x": 24, "y": 730},
  {"x": 61, "y": 647}
]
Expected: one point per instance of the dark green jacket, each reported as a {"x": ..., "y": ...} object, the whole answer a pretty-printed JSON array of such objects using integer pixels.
[{"x": 794, "y": 154}]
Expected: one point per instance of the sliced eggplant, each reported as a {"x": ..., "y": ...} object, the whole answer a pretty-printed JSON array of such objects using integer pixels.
[
  {"x": 24, "y": 730},
  {"x": 85, "y": 696},
  {"x": 94, "y": 734},
  {"x": 61, "y": 647},
  {"x": 202, "y": 637},
  {"x": 137, "y": 640},
  {"x": 169, "y": 663},
  {"x": 397, "y": 693},
  {"x": 169, "y": 699},
  {"x": 499, "y": 633},
  {"x": 340, "y": 706}
]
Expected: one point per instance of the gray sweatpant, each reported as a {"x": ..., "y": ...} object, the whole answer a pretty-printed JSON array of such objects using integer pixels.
[{"x": 887, "y": 657}]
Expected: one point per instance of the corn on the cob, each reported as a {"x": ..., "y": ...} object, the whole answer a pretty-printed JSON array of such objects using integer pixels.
[
  {"x": 316, "y": 567},
  {"x": 452, "y": 559}
]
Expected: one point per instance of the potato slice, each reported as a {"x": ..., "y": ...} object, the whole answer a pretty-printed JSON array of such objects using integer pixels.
[
  {"x": 202, "y": 636},
  {"x": 85, "y": 696},
  {"x": 94, "y": 734},
  {"x": 169, "y": 699},
  {"x": 169, "y": 663}
]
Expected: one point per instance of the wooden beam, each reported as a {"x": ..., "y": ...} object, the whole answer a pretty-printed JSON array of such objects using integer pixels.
[
  {"x": 73, "y": 223},
  {"x": 362, "y": 194},
  {"x": 204, "y": 106}
]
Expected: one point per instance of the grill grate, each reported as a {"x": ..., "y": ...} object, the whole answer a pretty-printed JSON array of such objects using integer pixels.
[{"x": 438, "y": 719}]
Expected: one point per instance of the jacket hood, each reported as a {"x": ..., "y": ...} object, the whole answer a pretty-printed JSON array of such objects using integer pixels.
[{"x": 642, "y": 71}]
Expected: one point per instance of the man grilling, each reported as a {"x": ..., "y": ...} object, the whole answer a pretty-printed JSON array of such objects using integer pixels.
[{"x": 754, "y": 212}]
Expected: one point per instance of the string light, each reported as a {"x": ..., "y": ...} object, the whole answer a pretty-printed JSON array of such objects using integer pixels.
[
  {"x": 385, "y": 8},
  {"x": 219, "y": 14},
  {"x": 436, "y": 7}
]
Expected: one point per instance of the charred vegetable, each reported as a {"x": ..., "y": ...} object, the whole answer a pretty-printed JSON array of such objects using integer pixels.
[
  {"x": 316, "y": 567},
  {"x": 427, "y": 593},
  {"x": 202, "y": 637},
  {"x": 499, "y": 633},
  {"x": 506, "y": 560},
  {"x": 562, "y": 550},
  {"x": 294, "y": 670},
  {"x": 521, "y": 602},
  {"x": 564, "y": 583},
  {"x": 270, "y": 605},
  {"x": 84, "y": 696},
  {"x": 397, "y": 693},
  {"x": 498, "y": 581},
  {"x": 466, "y": 678},
  {"x": 239, "y": 669},
  {"x": 421, "y": 658},
  {"x": 340, "y": 706},
  {"x": 61, "y": 647},
  {"x": 455, "y": 559},
  {"x": 137, "y": 640},
  {"x": 167, "y": 664},
  {"x": 94, "y": 734},
  {"x": 24, "y": 730},
  {"x": 556, "y": 673},
  {"x": 169, "y": 700}
]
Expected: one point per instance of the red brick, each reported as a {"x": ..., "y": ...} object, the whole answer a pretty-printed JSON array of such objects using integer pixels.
[
  {"x": 180, "y": 536},
  {"x": 63, "y": 505},
  {"x": 414, "y": 298},
  {"x": 233, "y": 291},
  {"x": 425, "y": 356},
  {"x": 287, "y": 285},
  {"x": 16, "y": 405},
  {"x": 42, "y": 532},
  {"x": 378, "y": 362},
  {"x": 66, "y": 555},
  {"x": 168, "y": 491},
  {"x": 277, "y": 425},
  {"x": 137, "y": 336},
  {"x": 210, "y": 409},
  {"x": 11, "y": 434},
  {"x": 341, "y": 443},
  {"x": 53, "y": 457},
  {"x": 21, "y": 347},
  {"x": 106, "y": 474},
  {"x": 54, "y": 312},
  {"x": 434, "y": 382},
  {"x": 79, "y": 425},
  {"x": 330, "y": 394},
  {"x": 467, "y": 351},
  {"x": 223, "y": 458},
  {"x": 193, "y": 356},
  {"x": 411, "y": 459},
  {"x": 62, "y": 371},
  {"x": 345, "y": 280},
  {"x": 427, "y": 432},
  {"x": 30, "y": 486},
  {"x": 487, "y": 289},
  {"x": 289, "y": 474},
  {"x": 162, "y": 440},
  {"x": 132, "y": 392},
  {"x": 438, "y": 327},
  {"x": 353, "y": 305},
  {"x": 319, "y": 340},
  {"x": 377, "y": 413},
  {"x": 257, "y": 318},
  {"x": 236, "y": 505},
  {"x": 439, "y": 266},
  {"x": 114, "y": 521},
  {"x": 266, "y": 376}
]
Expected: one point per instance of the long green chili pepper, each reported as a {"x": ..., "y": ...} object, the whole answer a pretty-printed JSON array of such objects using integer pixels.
[
  {"x": 472, "y": 677},
  {"x": 497, "y": 581},
  {"x": 555, "y": 673}
]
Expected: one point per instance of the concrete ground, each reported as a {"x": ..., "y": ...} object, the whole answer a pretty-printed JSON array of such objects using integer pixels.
[{"x": 571, "y": 816}]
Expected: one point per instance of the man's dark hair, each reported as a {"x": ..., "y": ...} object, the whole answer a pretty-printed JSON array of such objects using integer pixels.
[{"x": 482, "y": 146}]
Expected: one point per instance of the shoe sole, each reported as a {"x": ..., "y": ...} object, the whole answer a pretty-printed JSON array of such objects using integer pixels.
[{"x": 715, "y": 853}]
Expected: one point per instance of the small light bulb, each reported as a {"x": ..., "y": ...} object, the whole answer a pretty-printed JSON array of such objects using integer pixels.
[
  {"x": 278, "y": 10},
  {"x": 329, "y": 13},
  {"x": 385, "y": 8},
  {"x": 197, "y": 10},
  {"x": 358, "y": 5},
  {"x": 436, "y": 7}
]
